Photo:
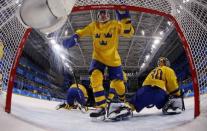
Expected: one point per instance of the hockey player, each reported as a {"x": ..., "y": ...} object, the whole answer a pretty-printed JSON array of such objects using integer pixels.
[
  {"x": 105, "y": 34},
  {"x": 160, "y": 89},
  {"x": 77, "y": 97}
]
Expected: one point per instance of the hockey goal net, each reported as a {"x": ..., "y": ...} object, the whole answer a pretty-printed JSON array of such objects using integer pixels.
[{"x": 188, "y": 16}]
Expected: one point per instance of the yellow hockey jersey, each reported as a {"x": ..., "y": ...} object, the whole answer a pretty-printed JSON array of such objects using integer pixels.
[
  {"x": 1, "y": 50},
  {"x": 106, "y": 38},
  {"x": 82, "y": 88},
  {"x": 163, "y": 77}
]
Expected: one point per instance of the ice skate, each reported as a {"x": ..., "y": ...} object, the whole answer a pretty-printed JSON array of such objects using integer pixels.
[
  {"x": 98, "y": 114},
  {"x": 118, "y": 111}
]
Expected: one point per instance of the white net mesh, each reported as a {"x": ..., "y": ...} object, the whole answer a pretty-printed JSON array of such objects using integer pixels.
[
  {"x": 7, "y": 10},
  {"x": 11, "y": 33},
  {"x": 191, "y": 16}
]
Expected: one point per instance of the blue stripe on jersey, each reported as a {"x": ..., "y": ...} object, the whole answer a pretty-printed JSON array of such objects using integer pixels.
[
  {"x": 99, "y": 93},
  {"x": 112, "y": 90},
  {"x": 100, "y": 102}
]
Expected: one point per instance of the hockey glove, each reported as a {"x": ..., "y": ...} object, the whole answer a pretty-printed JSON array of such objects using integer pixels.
[
  {"x": 121, "y": 15},
  {"x": 70, "y": 42}
]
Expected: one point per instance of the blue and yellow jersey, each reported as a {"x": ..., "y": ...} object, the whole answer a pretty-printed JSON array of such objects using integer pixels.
[
  {"x": 82, "y": 88},
  {"x": 163, "y": 77},
  {"x": 106, "y": 38}
]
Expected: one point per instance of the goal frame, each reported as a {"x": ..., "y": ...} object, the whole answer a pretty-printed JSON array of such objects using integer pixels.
[{"x": 115, "y": 7}]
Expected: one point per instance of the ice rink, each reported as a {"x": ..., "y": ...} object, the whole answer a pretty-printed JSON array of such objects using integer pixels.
[{"x": 29, "y": 114}]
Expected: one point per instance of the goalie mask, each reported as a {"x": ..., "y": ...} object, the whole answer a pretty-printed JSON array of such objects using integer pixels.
[
  {"x": 103, "y": 16},
  {"x": 163, "y": 60}
]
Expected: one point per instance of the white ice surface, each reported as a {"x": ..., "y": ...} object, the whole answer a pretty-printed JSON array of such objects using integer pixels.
[{"x": 29, "y": 114}]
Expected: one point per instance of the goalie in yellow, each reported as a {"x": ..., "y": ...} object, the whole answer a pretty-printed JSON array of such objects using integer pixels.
[
  {"x": 159, "y": 89},
  {"x": 105, "y": 34}
]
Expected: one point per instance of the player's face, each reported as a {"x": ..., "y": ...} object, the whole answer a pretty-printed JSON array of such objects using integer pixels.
[
  {"x": 103, "y": 16},
  {"x": 161, "y": 63}
]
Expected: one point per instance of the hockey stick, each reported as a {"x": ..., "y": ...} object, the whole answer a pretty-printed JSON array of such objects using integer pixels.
[{"x": 75, "y": 78}]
